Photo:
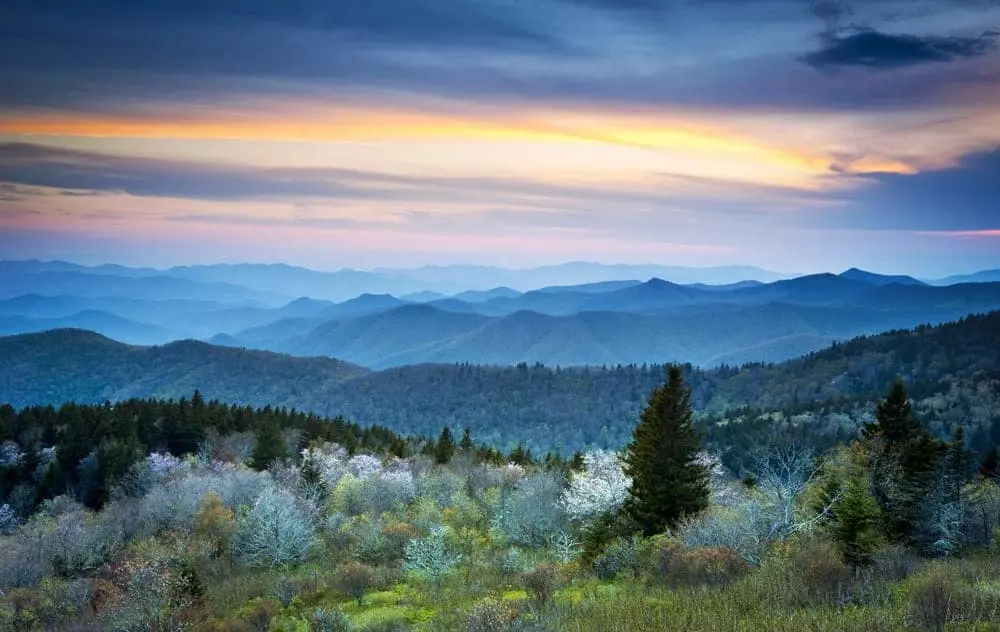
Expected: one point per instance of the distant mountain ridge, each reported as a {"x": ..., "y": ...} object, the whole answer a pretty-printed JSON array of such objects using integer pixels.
[{"x": 621, "y": 321}]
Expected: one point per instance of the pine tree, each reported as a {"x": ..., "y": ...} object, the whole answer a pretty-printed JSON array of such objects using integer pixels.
[
  {"x": 906, "y": 465},
  {"x": 990, "y": 466},
  {"x": 854, "y": 524},
  {"x": 667, "y": 481},
  {"x": 960, "y": 462},
  {"x": 445, "y": 448},
  {"x": 467, "y": 444},
  {"x": 270, "y": 445},
  {"x": 520, "y": 455},
  {"x": 894, "y": 420}
]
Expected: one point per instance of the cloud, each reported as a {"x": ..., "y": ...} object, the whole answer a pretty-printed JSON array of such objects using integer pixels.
[
  {"x": 959, "y": 200},
  {"x": 117, "y": 56},
  {"x": 872, "y": 49}
]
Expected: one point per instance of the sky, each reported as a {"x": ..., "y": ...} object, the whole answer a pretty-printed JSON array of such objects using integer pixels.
[{"x": 796, "y": 135}]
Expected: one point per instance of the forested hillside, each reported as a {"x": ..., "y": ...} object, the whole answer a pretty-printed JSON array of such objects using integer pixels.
[
  {"x": 80, "y": 366},
  {"x": 953, "y": 371}
]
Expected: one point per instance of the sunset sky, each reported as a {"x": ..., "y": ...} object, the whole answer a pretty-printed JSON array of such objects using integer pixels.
[{"x": 797, "y": 135}]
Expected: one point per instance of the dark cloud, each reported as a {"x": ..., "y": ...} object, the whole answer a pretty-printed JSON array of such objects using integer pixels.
[
  {"x": 118, "y": 56},
  {"x": 872, "y": 49},
  {"x": 962, "y": 198}
]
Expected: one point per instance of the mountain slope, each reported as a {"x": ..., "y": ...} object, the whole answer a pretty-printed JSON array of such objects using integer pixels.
[
  {"x": 984, "y": 276},
  {"x": 93, "y": 320},
  {"x": 86, "y": 284},
  {"x": 953, "y": 372},
  {"x": 854, "y": 274},
  {"x": 75, "y": 365}
]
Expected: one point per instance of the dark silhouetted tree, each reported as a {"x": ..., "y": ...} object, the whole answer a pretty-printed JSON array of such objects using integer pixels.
[
  {"x": 444, "y": 449},
  {"x": 668, "y": 482},
  {"x": 270, "y": 445}
]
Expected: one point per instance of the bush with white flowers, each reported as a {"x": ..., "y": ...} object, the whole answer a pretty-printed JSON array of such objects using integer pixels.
[{"x": 601, "y": 488}]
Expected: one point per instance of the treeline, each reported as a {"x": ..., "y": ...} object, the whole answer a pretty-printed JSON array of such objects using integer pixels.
[{"x": 85, "y": 450}]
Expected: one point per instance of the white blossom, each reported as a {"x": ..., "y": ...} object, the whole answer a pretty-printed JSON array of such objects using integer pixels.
[
  {"x": 8, "y": 519},
  {"x": 162, "y": 463},
  {"x": 600, "y": 488},
  {"x": 364, "y": 465},
  {"x": 10, "y": 455},
  {"x": 275, "y": 532},
  {"x": 429, "y": 557}
]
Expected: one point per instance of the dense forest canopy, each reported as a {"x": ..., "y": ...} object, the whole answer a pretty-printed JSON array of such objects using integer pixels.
[{"x": 952, "y": 372}]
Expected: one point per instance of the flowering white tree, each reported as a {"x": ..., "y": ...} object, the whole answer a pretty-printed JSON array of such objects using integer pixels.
[
  {"x": 364, "y": 465},
  {"x": 429, "y": 557},
  {"x": 275, "y": 532},
  {"x": 331, "y": 461},
  {"x": 387, "y": 489},
  {"x": 8, "y": 519},
  {"x": 600, "y": 488},
  {"x": 10, "y": 455},
  {"x": 530, "y": 514}
]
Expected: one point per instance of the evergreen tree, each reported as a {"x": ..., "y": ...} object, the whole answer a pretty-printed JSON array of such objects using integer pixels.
[
  {"x": 445, "y": 448},
  {"x": 960, "y": 463},
  {"x": 990, "y": 466},
  {"x": 894, "y": 420},
  {"x": 311, "y": 479},
  {"x": 467, "y": 444},
  {"x": 520, "y": 455},
  {"x": 852, "y": 516},
  {"x": 667, "y": 481},
  {"x": 906, "y": 467},
  {"x": 270, "y": 445}
]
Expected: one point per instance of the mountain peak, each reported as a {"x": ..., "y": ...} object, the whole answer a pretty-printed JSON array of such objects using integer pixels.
[{"x": 857, "y": 274}]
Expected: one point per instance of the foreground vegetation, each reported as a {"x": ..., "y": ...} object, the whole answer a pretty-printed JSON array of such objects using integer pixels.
[{"x": 268, "y": 522}]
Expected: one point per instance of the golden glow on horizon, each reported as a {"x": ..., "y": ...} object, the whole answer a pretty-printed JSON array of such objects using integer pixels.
[{"x": 794, "y": 150}]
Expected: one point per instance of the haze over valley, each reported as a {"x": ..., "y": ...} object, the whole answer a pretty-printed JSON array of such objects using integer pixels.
[{"x": 575, "y": 314}]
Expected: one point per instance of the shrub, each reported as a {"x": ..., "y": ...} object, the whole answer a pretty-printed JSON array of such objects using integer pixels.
[
  {"x": 491, "y": 615},
  {"x": 621, "y": 556},
  {"x": 530, "y": 514},
  {"x": 541, "y": 582},
  {"x": 323, "y": 620},
  {"x": 214, "y": 524},
  {"x": 429, "y": 557},
  {"x": 600, "y": 488},
  {"x": 511, "y": 563},
  {"x": 275, "y": 532},
  {"x": 386, "y": 490},
  {"x": 155, "y": 599},
  {"x": 259, "y": 613},
  {"x": 935, "y": 600},
  {"x": 397, "y": 535},
  {"x": 284, "y": 589},
  {"x": 894, "y": 563},
  {"x": 677, "y": 565},
  {"x": 355, "y": 579},
  {"x": 822, "y": 572}
]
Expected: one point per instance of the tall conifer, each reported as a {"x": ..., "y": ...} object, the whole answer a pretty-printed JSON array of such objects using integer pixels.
[
  {"x": 445, "y": 447},
  {"x": 668, "y": 483},
  {"x": 270, "y": 445}
]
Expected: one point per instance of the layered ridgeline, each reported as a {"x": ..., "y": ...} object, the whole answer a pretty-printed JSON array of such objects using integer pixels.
[
  {"x": 386, "y": 325},
  {"x": 953, "y": 372}
]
